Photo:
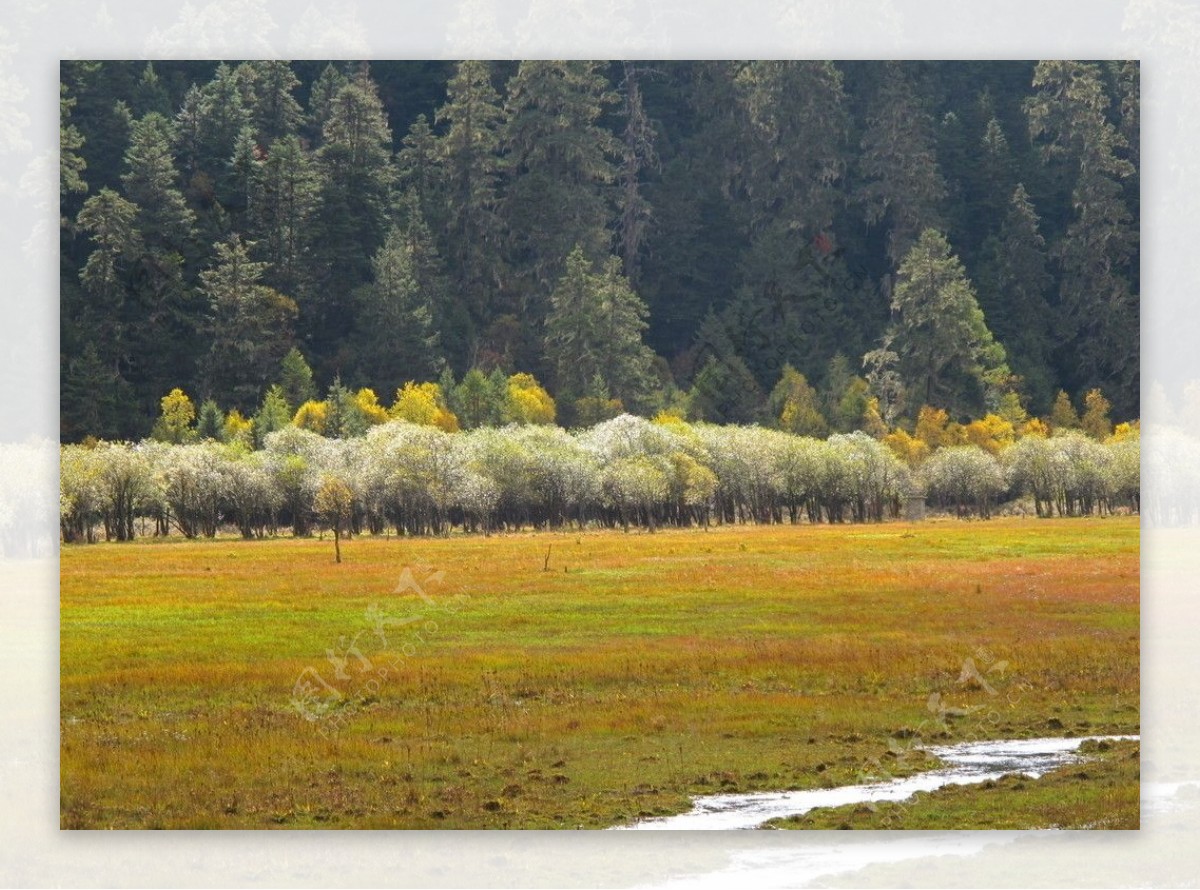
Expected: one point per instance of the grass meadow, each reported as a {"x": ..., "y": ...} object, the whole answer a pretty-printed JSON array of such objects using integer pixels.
[{"x": 585, "y": 679}]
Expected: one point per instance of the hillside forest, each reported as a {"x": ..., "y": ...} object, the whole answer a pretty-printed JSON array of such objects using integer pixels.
[{"x": 816, "y": 247}]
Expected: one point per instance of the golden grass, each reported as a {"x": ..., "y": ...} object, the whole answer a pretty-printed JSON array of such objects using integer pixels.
[{"x": 638, "y": 670}]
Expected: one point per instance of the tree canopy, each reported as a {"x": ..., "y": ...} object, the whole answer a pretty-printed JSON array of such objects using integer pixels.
[{"x": 652, "y": 236}]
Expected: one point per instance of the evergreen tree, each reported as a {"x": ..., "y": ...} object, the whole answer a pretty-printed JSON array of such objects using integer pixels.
[
  {"x": 284, "y": 196},
  {"x": 397, "y": 340},
  {"x": 343, "y": 419},
  {"x": 479, "y": 399},
  {"x": 150, "y": 95},
  {"x": 152, "y": 183},
  {"x": 267, "y": 89},
  {"x": 71, "y": 163},
  {"x": 797, "y": 133},
  {"x": 351, "y": 217},
  {"x": 902, "y": 186},
  {"x": 241, "y": 178},
  {"x": 560, "y": 172},
  {"x": 467, "y": 156},
  {"x": 1097, "y": 296},
  {"x": 320, "y": 100},
  {"x": 209, "y": 422},
  {"x": 725, "y": 392},
  {"x": 417, "y": 170},
  {"x": 638, "y": 154},
  {"x": 274, "y": 414},
  {"x": 161, "y": 315},
  {"x": 946, "y": 355},
  {"x": 594, "y": 332},
  {"x": 93, "y": 396},
  {"x": 251, "y": 325},
  {"x": 296, "y": 379},
  {"x": 1013, "y": 289},
  {"x": 451, "y": 318}
]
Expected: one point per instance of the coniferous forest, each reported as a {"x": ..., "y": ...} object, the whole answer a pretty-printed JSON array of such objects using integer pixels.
[{"x": 816, "y": 246}]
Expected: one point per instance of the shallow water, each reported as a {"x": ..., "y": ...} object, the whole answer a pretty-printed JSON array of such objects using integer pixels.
[{"x": 967, "y": 763}]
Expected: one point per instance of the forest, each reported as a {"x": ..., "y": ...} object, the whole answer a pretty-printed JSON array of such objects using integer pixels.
[{"x": 817, "y": 247}]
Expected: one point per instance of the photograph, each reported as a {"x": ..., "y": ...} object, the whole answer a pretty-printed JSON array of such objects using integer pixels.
[{"x": 566, "y": 444}]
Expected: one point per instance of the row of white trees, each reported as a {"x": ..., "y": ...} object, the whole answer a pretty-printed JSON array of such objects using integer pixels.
[{"x": 626, "y": 472}]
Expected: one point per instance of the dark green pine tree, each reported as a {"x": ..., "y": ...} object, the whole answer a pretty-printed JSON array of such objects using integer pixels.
[
  {"x": 95, "y": 399},
  {"x": 274, "y": 414},
  {"x": 150, "y": 95},
  {"x": 296, "y": 379},
  {"x": 900, "y": 186},
  {"x": 1014, "y": 285},
  {"x": 479, "y": 399},
  {"x": 638, "y": 156},
  {"x": 725, "y": 392},
  {"x": 267, "y": 89},
  {"x": 209, "y": 421},
  {"x": 283, "y": 198},
  {"x": 71, "y": 163},
  {"x": 797, "y": 144},
  {"x": 468, "y": 159},
  {"x": 162, "y": 314},
  {"x": 101, "y": 93},
  {"x": 396, "y": 340},
  {"x": 354, "y": 165},
  {"x": 594, "y": 333},
  {"x": 344, "y": 420},
  {"x": 560, "y": 169},
  {"x": 96, "y": 341},
  {"x": 320, "y": 100},
  {"x": 250, "y": 326},
  {"x": 688, "y": 269},
  {"x": 416, "y": 165},
  {"x": 206, "y": 131},
  {"x": 240, "y": 178},
  {"x": 151, "y": 182},
  {"x": 945, "y": 355},
  {"x": 1098, "y": 303},
  {"x": 1127, "y": 78},
  {"x": 451, "y": 319},
  {"x": 799, "y": 304}
]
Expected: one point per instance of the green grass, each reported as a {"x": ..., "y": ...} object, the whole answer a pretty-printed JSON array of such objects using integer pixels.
[{"x": 640, "y": 670}]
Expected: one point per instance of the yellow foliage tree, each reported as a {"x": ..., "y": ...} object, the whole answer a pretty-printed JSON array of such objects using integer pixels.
[
  {"x": 669, "y": 419},
  {"x": 174, "y": 425},
  {"x": 992, "y": 433},
  {"x": 931, "y": 427},
  {"x": 1095, "y": 420},
  {"x": 908, "y": 448},
  {"x": 527, "y": 402},
  {"x": 1036, "y": 427},
  {"x": 368, "y": 405},
  {"x": 312, "y": 416},
  {"x": 872, "y": 422},
  {"x": 955, "y": 434},
  {"x": 424, "y": 405},
  {"x": 237, "y": 429},
  {"x": 1127, "y": 432},
  {"x": 1062, "y": 415}
]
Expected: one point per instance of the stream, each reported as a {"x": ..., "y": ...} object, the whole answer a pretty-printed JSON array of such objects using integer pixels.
[{"x": 966, "y": 763}]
